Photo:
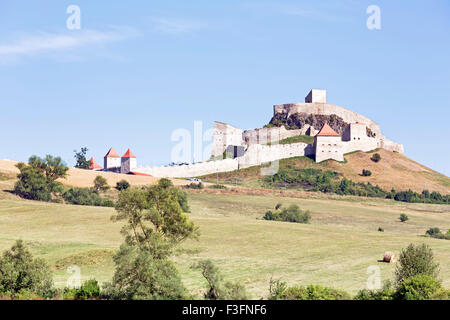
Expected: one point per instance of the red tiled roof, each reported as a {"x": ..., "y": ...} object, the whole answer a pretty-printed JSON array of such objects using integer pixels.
[
  {"x": 128, "y": 154},
  {"x": 94, "y": 165},
  {"x": 327, "y": 131},
  {"x": 140, "y": 174},
  {"x": 112, "y": 154}
]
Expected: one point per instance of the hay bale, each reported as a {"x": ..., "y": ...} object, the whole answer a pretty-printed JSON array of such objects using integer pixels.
[{"x": 390, "y": 257}]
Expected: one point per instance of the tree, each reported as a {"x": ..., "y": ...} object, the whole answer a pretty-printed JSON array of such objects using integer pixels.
[
  {"x": 376, "y": 157},
  {"x": 156, "y": 222},
  {"x": 100, "y": 184},
  {"x": 366, "y": 173},
  {"x": 418, "y": 287},
  {"x": 37, "y": 179},
  {"x": 20, "y": 272},
  {"x": 415, "y": 260},
  {"x": 122, "y": 185},
  {"x": 81, "y": 161},
  {"x": 217, "y": 290}
]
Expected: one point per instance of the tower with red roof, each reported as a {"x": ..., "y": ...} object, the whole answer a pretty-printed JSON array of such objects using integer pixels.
[
  {"x": 328, "y": 144},
  {"x": 111, "y": 161},
  {"x": 94, "y": 165},
  {"x": 128, "y": 162}
]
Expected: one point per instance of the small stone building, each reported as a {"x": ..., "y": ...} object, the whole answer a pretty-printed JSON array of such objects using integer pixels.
[
  {"x": 111, "y": 161},
  {"x": 328, "y": 145},
  {"x": 128, "y": 162}
]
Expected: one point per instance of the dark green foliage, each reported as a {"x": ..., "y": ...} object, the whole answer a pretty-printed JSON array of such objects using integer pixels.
[
  {"x": 37, "y": 179},
  {"x": 380, "y": 229},
  {"x": 194, "y": 185},
  {"x": 280, "y": 291},
  {"x": 328, "y": 181},
  {"x": 100, "y": 185},
  {"x": 366, "y": 173},
  {"x": 122, "y": 185},
  {"x": 139, "y": 276},
  {"x": 88, "y": 290},
  {"x": 415, "y": 260},
  {"x": 387, "y": 292},
  {"x": 299, "y": 120},
  {"x": 403, "y": 217},
  {"x": 290, "y": 214},
  {"x": 85, "y": 197},
  {"x": 156, "y": 222},
  {"x": 81, "y": 161},
  {"x": 376, "y": 157},
  {"x": 217, "y": 289},
  {"x": 21, "y": 273},
  {"x": 217, "y": 186},
  {"x": 436, "y": 233},
  {"x": 418, "y": 287}
]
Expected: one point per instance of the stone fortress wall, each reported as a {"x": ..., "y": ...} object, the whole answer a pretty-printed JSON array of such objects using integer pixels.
[{"x": 258, "y": 152}]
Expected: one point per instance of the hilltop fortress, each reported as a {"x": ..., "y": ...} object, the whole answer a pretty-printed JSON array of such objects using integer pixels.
[{"x": 336, "y": 131}]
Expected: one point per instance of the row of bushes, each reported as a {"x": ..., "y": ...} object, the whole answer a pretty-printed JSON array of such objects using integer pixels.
[
  {"x": 436, "y": 233},
  {"x": 328, "y": 181}
]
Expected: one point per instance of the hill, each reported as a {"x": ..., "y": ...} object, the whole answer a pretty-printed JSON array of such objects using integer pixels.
[{"x": 394, "y": 170}]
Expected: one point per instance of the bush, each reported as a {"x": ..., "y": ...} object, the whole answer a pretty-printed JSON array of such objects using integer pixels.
[
  {"x": 194, "y": 185},
  {"x": 415, "y": 260},
  {"x": 403, "y": 217},
  {"x": 436, "y": 233},
  {"x": 290, "y": 214},
  {"x": 216, "y": 289},
  {"x": 280, "y": 291},
  {"x": 418, "y": 287},
  {"x": 88, "y": 290},
  {"x": 100, "y": 184},
  {"x": 385, "y": 293},
  {"x": 366, "y": 173},
  {"x": 85, "y": 197},
  {"x": 376, "y": 157},
  {"x": 380, "y": 229},
  {"x": 122, "y": 185},
  {"x": 21, "y": 274},
  {"x": 218, "y": 186}
]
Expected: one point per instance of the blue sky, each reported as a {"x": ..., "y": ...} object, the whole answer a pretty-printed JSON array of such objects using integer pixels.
[{"x": 136, "y": 71}]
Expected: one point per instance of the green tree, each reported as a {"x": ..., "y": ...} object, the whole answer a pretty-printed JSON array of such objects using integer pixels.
[
  {"x": 20, "y": 272},
  {"x": 100, "y": 185},
  {"x": 122, "y": 185},
  {"x": 415, "y": 260},
  {"x": 37, "y": 179},
  {"x": 81, "y": 161},
  {"x": 155, "y": 223},
  {"x": 418, "y": 287},
  {"x": 217, "y": 289},
  {"x": 376, "y": 157}
]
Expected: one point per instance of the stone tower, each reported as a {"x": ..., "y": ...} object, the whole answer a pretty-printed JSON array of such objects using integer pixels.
[
  {"x": 111, "y": 161},
  {"x": 316, "y": 96},
  {"x": 128, "y": 162},
  {"x": 328, "y": 145}
]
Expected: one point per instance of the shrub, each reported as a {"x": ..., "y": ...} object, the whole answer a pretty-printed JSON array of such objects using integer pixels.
[
  {"x": 436, "y": 233},
  {"x": 418, "y": 287},
  {"x": 290, "y": 214},
  {"x": 88, "y": 290},
  {"x": 194, "y": 185},
  {"x": 85, "y": 197},
  {"x": 218, "y": 186},
  {"x": 22, "y": 274},
  {"x": 366, "y": 173},
  {"x": 216, "y": 289},
  {"x": 403, "y": 217},
  {"x": 280, "y": 291},
  {"x": 380, "y": 229},
  {"x": 100, "y": 184},
  {"x": 376, "y": 157},
  {"x": 122, "y": 185},
  {"x": 415, "y": 260},
  {"x": 387, "y": 292}
]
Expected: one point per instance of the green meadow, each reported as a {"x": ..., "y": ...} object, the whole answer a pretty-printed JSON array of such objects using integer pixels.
[{"x": 335, "y": 249}]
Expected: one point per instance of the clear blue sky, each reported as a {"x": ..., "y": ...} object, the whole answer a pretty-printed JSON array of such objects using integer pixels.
[{"x": 138, "y": 70}]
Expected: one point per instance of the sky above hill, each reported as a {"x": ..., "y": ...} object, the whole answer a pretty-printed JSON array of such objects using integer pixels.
[{"x": 136, "y": 72}]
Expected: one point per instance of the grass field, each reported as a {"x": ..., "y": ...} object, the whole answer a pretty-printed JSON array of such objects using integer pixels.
[{"x": 335, "y": 249}]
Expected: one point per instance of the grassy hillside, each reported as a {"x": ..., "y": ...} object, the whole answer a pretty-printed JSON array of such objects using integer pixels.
[
  {"x": 335, "y": 249},
  {"x": 394, "y": 170}
]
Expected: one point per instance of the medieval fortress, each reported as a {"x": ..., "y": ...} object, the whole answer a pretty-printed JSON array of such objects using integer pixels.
[{"x": 336, "y": 131}]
